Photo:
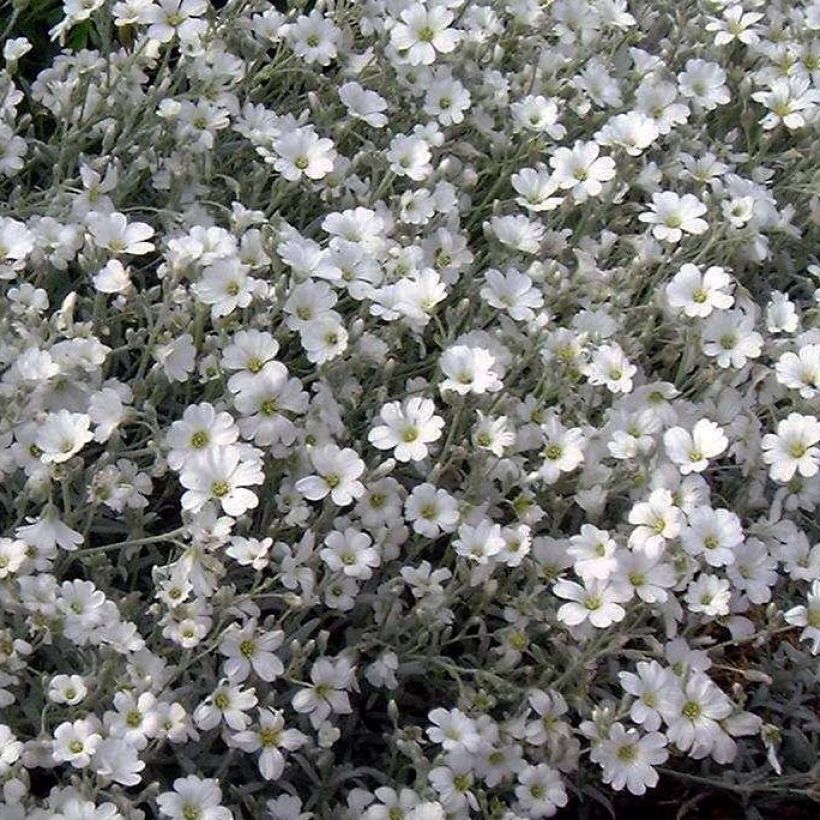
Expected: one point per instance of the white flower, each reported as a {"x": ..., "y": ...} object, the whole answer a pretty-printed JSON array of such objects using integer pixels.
[
  {"x": 409, "y": 156},
  {"x": 408, "y": 428},
  {"x": 537, "y": 113},
  {"x": 177, "y": 358},
  {"x": 737, "y": 24},
  {"x": 704, "y": 83},
  {"x": 422, "y": 32},
  {"x": 709, "y": 595},
  {"x": 35, "y": 365},
  {"x": 739, "y": 210},
  {"x": 801, "y": 371},
  {"x": 479, "y": 543},
  {"x": 225, "y": 286},
  {"x": 75, "y": 742},
  {"x": 302, "y": 152},
  {"x": 351, "y": 553},
  {"x": 115, "y": 234},
  {"x": 453, "y": 730},
  {"x": 324, "y": 338},
  {"x": 193, "y": 797},
  {"x": 563, "y": 449},
  {"x": 67, "y": 689},
  {"x": 113, "y": 277},
  {"x": 513, "y": 292},
  {"x": 200, "y": 430},
  {"x": 117, "y": 760},
  {"x": 431, "y": 511},
  {"x": 268, "y": 738},
  {"x": 581, "y": 170},
  {"x": 16, "y": 240},
  {"x": 336, "y": 474},
  {"x": 657, "y": 521},
  {"x": 730, "y": 338},
  {"x": 468, "y": 370},
  {"x": 313, "y": 37},
  {"x": 654, "y": 688},
  {"x": 597, "y": 602},
  {"x": 790, "y": 101},
  {"x": 792, "y": 448},
  {"x": 15, "y": 48},
  {"x": 250, "y": 551},
  {"x": 536, "y": 187},
  {"x": 753, "y": 571},
  {"x": 712, "y": 535},
  {"x": 12, "y": 555},
  {"x": 63, "y": 435},
  {"x": 611, "y": 368},
  {"x": 692, "y": 451},
  {"x": 628, "y": 758},
  {"x": 635, "y": 131},
  {"x": 673, "y": 216},
  {"x": 593, "y": 553},
  {"x": 220, "y": 475},
  {"x": 364, "y": 105},
  {"x": 447, "y": 100},
  {"x": 326, "y": 695},
  {"x": 648, "y": 578},
  {"x": 808, "y": 617},
  {"x": 228, "y": 704},
  {"x": 247, "y": 650},
  {"x": 541, "y": 791},
  {"x": 265, "y": 398},
  {"x": 517, "y": 231},
  {"x": 781, "y": 314},
  {"x": 492, "y": 434},
  {"x": 454, "y": 783},
  {"x": 248, "y": 353},
  {"x": 698, "y": 294},
  {"x": 692, "y": 716},
  {"x": 10, "y": 749}
]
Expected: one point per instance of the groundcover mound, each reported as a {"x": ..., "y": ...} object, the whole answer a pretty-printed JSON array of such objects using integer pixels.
[{"x": 409, "y": 410}]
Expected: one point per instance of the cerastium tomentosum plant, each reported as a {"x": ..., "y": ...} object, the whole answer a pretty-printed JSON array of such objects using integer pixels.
[{"x": 408, "y": 409}]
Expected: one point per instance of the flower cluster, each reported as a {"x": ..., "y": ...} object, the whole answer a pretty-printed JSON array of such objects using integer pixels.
[{"x": 408, "y": 408}]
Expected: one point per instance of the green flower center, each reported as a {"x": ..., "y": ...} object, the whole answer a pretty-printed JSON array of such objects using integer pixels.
[
  {"x": 626, "y": 753},
  {"x": 553, "y": 452},
  {"x": 219, "y": 489},
  {"x": 462, "y": 782},
  {"x": 269, "y": 736}
]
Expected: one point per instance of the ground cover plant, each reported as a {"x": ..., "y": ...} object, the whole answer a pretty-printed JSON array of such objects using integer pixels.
[{"x": 409, "y": 410}]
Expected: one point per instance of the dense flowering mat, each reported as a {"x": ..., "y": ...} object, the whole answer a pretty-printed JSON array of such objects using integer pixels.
[{"x": 408, "y": 409}]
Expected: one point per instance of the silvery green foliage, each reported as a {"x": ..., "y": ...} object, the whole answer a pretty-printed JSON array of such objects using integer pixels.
[{"x": 408, "y": 410}]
